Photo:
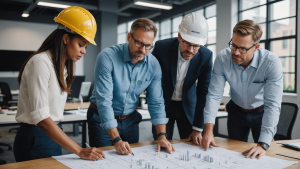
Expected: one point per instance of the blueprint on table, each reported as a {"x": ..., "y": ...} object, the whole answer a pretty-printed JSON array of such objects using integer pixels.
[{"x": 186, "y": 157}]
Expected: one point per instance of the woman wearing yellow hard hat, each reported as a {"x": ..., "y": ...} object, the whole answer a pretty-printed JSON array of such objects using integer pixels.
[{"x": 45, "y": 80}]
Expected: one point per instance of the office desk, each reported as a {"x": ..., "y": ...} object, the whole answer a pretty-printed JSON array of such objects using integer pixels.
[
  {"x": 233, "y": 145},
  {"x": 9, "y": 120},
  {"x": 74, "y": 106}
]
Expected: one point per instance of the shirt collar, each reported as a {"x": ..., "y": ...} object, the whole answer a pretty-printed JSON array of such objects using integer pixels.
[
  {"x": 126, "y": 55},
  {"x": 254, "y": 62}
]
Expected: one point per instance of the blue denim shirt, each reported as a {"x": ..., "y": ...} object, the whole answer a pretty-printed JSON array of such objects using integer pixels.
[
  {"x": 259, "y": 83},
  {"x": 118, "y": 84}
]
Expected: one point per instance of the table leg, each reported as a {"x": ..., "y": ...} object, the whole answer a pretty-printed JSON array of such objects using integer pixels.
[
  {"x": 216, "y": 128},
  {"x": 83, "y": 139},
  {"x": 76, "y": 129}
]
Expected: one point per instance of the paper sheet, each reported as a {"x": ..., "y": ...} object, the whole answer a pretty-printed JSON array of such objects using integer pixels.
[{"x": 185, "y": 157}]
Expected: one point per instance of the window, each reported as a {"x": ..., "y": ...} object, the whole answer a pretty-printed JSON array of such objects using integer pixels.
[
  {"x": 278, "y": 21},
  {"x": 123, "y": 30},
  {"x": 284, "y": 42}
]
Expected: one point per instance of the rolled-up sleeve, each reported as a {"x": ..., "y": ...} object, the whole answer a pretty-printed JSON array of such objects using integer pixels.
[
  {"x": 215, "y": 92},
  {"x": 37, "y": 79},
  {"x": 104, "y": 91},
  {"x": 273, "y": 90},
  {"x": 155, "y": 99}
]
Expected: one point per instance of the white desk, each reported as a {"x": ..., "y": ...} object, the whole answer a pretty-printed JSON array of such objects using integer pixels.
[{"x": 9, "y": 120}]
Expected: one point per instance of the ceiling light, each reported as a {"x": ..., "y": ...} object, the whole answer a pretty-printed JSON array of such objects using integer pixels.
[
  {"x": 25, "y": 15},
  {"x": 52, "y": 5},
  {"x": 154, "y": 4}
]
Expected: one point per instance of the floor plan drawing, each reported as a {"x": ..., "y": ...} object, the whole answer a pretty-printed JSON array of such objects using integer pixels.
[{"x": 186, "y": 157}]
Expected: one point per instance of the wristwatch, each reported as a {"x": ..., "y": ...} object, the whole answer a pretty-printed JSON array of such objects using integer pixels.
[
  {"x": 159, "y": 134},
  {"x": 264, "y": 145},
  {"x": 116, "y": 140}
]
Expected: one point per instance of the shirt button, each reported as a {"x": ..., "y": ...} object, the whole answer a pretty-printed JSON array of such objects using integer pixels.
[
  {"x": 128, "y": 94},
  {"x": 131, "y": 81},
  {"x": 244, "y": 83}
]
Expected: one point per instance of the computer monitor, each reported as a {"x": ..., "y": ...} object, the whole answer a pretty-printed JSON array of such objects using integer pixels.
[
  {"x": 76, "y": 85},
  {"x": 85, "y": 89}
]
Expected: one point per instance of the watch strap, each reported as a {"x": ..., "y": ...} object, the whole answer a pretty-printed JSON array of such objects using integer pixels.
[
  {"x": 116, "y": 140},
  {"x": 264, "y": 145},
  {"x": 160, "y": 134}
]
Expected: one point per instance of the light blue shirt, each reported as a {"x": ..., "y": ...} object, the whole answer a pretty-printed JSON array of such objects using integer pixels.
[
  {"x": 260, "y": 83},
  {"x": 118, "y": 84}
]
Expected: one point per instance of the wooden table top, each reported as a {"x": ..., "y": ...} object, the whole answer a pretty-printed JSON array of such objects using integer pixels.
[
  {"x": 233, "y": 145},
  {"x": 74, "y": 106}
]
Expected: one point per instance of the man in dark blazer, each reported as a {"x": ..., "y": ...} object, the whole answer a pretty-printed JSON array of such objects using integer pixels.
[{"x": 186, "y": 71}]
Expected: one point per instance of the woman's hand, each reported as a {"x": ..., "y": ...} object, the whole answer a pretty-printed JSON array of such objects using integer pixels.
[{"x": 91, "y": 154}]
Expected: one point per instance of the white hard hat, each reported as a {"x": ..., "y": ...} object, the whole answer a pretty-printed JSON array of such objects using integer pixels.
[{"x": 193, "y": 28}]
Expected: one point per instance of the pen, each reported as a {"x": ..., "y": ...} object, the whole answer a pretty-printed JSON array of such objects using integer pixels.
[
  {"x": 132, "y": 154},
  {"x": 288, "y": 156}
]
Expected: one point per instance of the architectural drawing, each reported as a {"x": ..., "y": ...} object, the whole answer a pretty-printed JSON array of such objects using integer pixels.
[{"x": 186, "y": 157}]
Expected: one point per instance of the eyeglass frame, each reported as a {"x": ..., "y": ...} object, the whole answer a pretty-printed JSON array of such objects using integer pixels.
[
  {"x": 136, "y": 41},
  {"x": 189, "y": 44},
  {"x": 240, "y": 47}
]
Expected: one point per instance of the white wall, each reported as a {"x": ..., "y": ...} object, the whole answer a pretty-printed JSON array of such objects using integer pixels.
[
  {"x": 26, "y": 36},
  {"x": 226, "y": 20}
]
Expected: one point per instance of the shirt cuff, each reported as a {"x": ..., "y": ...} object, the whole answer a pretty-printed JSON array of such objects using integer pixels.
[
  {"x": 40, "y": 114},
  {"x": 159, "y": 121},
  {"x": 198, "y": 129},
  {"x": 265, "y": 138},
  {"x": 109, "y": 124}
]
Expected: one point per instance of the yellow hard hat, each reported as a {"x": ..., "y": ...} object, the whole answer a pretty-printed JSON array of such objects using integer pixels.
[{"x": 78, "y": 20}]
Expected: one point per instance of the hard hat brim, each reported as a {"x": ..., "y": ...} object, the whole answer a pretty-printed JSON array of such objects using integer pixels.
[{"x": 192, "y": 39}]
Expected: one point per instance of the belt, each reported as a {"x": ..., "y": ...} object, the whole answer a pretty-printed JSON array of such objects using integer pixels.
[
  {"x": 116, "y": 117},
  {"x": 249, "y": 110}
]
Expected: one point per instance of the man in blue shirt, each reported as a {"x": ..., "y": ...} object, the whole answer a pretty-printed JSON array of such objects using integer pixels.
[
  {"x": 256, "y": 87},
  {"x": 122, "y": 73}
]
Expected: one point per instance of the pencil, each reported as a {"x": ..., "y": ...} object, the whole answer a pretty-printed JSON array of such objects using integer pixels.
[{"x": 288, "y": 156}]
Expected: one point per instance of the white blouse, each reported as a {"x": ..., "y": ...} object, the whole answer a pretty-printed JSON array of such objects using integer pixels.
[{"x": 40, "y": 95}]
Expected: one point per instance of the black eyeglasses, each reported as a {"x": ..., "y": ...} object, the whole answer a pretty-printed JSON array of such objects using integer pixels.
[
  {"x": 187, "y": 44},
  {"x": 241, "y": 49},
  {"x": 140, "y": 44}
]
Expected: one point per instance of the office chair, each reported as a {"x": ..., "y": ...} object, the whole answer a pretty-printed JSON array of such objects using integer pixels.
[
  {"x": 7, "y": 101},
  {"x": 287, "y": 120}
]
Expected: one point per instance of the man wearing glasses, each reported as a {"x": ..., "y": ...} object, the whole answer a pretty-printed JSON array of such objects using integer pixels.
[
  {"x": 256, "y": 87},
  {"x": 122, "y": 73},
  {"x": 186, "y": 70}
]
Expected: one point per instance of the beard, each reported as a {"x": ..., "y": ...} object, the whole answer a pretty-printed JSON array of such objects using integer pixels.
[
  {"x": 187, "y": 57},
  {"x": 239, "y": 62},
  {"x": 136, "y": 57}
]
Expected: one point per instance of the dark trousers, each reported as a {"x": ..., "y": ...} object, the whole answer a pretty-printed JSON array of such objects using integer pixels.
[
  {"x": 128, "y": 129},
  {"x": 32, "y": 143},
  {"x": 175, "y": 112},
  {"x": 239, "y": 123}
]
